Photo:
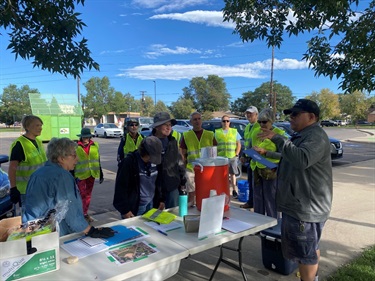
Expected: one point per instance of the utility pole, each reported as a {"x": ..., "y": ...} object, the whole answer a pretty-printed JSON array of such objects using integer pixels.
[
  {"x": 272, "y": 94},
  {"x": 142, "y": 100}
]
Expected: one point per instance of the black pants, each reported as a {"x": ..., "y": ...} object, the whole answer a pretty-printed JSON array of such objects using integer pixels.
[{"x": 250, "y": 201}]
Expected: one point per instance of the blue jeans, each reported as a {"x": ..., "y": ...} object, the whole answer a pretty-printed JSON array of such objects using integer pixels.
[
  {"x": 171, "y": 198},
  {"x": 144, "y": 208}
]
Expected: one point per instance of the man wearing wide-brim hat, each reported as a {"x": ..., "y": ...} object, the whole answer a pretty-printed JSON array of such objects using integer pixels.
[
  {"x": 173, "y": 170},
  {"x": 131, "y": 139},
  {"x": 87, "y": 169}
]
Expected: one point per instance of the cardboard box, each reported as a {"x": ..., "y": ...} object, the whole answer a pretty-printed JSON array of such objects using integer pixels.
[
  {"x": 15, "y": 263},
  {"x": 191, "y": 223}
]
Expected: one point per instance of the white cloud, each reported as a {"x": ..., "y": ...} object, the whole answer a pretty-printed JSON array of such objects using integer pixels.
[
  {"x": 209, "y": 18},
  {"x": 160, "y": 6},
  {"x": 161, "y": 50},
  {"x": 111, "y": 52},
  {"x": 253, "y": 70}
]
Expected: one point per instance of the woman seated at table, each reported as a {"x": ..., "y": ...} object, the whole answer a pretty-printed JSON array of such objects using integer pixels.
[{"x": 53, "y": 184}]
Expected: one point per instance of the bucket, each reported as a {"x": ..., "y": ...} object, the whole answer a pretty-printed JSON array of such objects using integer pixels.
[
  {"x": 211, "y": 173},
  {"x": 243, "y": 190}
]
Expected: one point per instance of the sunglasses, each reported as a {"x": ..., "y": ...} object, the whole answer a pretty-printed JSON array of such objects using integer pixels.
[
  {"x": 297, "y": 113},
  {"x": 262, "y": 122},
  {"x": 133, "y": 125},
  {"x": 225, "y": 121}
]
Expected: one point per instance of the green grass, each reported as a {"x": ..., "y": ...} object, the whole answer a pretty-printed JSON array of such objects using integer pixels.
[{"x": 360, "y": 269}]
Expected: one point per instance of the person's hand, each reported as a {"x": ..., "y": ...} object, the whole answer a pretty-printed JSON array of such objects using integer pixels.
[
  {"x": 101, "y": 232},
  {"x": 161, "y": 206},
  {"x": 128, "y": 215},
  {"x": 266, "y": 134},
  {"x": 260, "y": 150},
  {"x": 15, "y": 195},
  {"x": 101, "y": 180}
]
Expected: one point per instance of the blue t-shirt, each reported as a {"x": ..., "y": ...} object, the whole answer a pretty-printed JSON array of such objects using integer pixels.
[{"x": 147, "y": 178}]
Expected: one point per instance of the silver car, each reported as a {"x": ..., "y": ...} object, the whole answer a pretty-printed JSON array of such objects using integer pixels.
[{"x": 107, "y": 130}]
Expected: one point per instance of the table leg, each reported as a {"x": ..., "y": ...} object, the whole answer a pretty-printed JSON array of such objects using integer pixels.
[{"x": 239, "y": 267}]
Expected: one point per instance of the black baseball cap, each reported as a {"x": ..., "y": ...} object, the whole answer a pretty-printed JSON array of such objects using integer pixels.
[
  {"x": 154, "y": 148},
  {"x": 304, "y": 105}
]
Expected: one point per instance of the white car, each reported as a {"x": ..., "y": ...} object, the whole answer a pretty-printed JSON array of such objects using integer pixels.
[{"x": 107, "y": 130}]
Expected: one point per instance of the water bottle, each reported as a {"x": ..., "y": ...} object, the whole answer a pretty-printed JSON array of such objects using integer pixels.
[{"x": 183, "y": 202}]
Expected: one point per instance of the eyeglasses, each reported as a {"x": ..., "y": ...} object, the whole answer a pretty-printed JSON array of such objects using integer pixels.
[
  {"x": 133, "y": 125},
  {"x": 225, "y": 121},
  {"x": 74, "y": 155},
  {"x": 296, "y": 113},
  {"x": 262, "y": 122}
]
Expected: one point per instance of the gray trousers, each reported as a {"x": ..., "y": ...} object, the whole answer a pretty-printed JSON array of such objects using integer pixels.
[{"x": 264, "y": 196}]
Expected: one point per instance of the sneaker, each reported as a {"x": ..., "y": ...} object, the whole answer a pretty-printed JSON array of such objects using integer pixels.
[
  {"x": 246, "y": 206},
  {"x": 234, "y": 194}
]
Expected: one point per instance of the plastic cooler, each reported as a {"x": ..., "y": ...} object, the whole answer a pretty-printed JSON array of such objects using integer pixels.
[
  {"x": 243, "y": 190},
  {"x": 272, "y": 255},
  {"x": 211, "y": 173}
]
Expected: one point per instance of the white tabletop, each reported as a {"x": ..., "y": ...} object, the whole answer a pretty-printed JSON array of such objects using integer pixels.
[
  {"x": 172, "y": 248},
  {"x": 191, "y": 242},
  {"x": 98, "y": 267}
]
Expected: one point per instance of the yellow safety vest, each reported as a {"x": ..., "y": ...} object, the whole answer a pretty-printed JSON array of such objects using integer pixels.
[
  {"x": 130, "y": 145},
  {"x": 267, "y": 144},
  {"x": 226, "y": 143},
  {"x": 34, "y": 158},
  {"x": 177, "y": 136},
  {"x": 88, "y": 164},
  {"x": 194, "y": 145},
  {"x": 248, "y": 133}
]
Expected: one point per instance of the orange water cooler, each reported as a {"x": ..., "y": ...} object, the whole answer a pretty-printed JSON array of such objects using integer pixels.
[{"x": 211, "y": 173}]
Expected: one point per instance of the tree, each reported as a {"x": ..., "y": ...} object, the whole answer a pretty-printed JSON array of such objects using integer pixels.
[
  {"x": 208, "y": 94},
  {"x": 46, "y": 31},
  {"x": 160, "y": 107},
  {"x": 355, "y": 105},
  {"x": 99, "y": 97},
  {"x": 328, "y": 103},
  {"x": 147, "y": 106},
  {"x": 260, "y": 98},
  {"x": 15, "y": 103},
  {"x": 343, "y": 44},
  {"x": 182, "y": 108}
]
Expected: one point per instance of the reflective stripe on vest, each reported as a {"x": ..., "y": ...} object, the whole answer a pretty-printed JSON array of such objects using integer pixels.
[
  {"x": 130, "y": 145},
  {"x": 34, "y": 158},
  {"x": 226, "y": 143},
  {"x": 194, "y": 145},
  {"x": 88, "y": 164}
]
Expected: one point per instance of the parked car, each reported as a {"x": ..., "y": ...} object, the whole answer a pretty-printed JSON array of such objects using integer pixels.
[
  {"x": 239, "y": 124},
  {"x": 184, "y": 122},
  {"x": 341, "y": 122},
  {"x": 6, "y": 206},
  {"x": 178, "y": 128},
  {"x": 107, "y": 130},
  {"x": 144, "y": 122},
  {"x": 336, "y": 146},
  {"x": 363, "y": 123},
  {"x": 328, "y": 123}
]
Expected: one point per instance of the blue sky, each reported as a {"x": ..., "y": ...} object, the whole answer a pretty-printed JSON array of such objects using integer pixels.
[{"x": 137, "y": 42}]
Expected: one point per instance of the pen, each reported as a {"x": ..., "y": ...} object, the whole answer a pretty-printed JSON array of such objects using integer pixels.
[{"x": 162, "y": 232}]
